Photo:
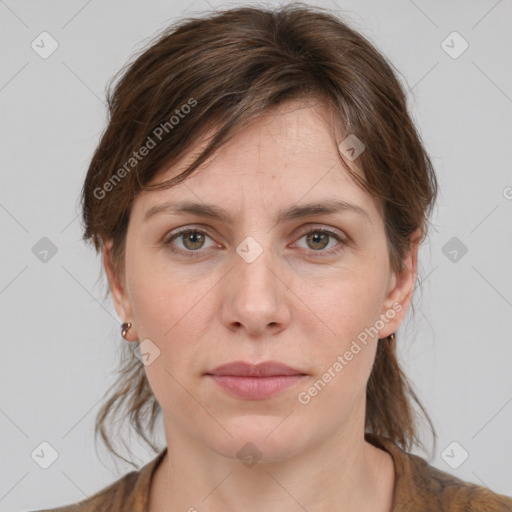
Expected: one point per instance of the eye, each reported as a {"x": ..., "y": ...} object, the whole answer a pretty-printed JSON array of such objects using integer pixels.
[
  {"x": 192, "y": 240},
  {"x": 317, "y": 239}
]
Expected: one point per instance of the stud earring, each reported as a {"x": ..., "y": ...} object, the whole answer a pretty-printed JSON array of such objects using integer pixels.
[{"x": 125, "y": 328}]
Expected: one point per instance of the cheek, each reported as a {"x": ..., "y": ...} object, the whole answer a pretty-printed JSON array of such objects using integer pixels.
[
  {"x": 342, "y": 307},
  {"x": 160, "y": 299},
  {"x": 166, "y": 313},
  {"x": 342, "y": 319},
  {"x": 343, "y": 355},
  {"x": 172, "y": 321},
  {"x": 172, "y": 311}
]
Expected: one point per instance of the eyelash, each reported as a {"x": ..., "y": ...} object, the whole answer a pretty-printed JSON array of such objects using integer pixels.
[{"x": 192, "y": 254}]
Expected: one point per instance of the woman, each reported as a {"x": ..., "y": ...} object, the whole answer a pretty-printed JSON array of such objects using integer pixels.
[{"x": 259, "y": 197}]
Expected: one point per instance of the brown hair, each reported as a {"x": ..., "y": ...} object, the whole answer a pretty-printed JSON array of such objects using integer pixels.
[{"x": 222, "y": 71}]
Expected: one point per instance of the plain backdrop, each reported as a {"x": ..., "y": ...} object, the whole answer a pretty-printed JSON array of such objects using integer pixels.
[{"x": 60, "y": 339}]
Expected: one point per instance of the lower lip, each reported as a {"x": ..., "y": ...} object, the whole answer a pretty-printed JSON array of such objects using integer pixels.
[{"x": 256, "y": 388}]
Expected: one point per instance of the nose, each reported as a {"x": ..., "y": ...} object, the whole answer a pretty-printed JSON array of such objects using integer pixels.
[{"x": 255, "y": 298}]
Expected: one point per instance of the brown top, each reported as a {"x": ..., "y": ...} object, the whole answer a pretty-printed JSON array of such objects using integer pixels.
[{"x": 419, "y": 487}]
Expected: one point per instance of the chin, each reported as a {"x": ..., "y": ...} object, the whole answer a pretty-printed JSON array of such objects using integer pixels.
[{"x": 260, "y": 438}]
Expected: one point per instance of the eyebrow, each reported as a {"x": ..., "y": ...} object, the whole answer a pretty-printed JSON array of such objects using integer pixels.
[{"x": 218, "y": 213}]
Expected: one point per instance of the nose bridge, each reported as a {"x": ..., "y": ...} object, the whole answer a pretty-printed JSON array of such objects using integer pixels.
[
  {"x": 256, "y": 296},
  {"x": 253, "y": 274}
]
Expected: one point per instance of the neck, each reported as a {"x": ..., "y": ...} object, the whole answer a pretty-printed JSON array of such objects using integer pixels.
[{"x": 343, "y": 473}]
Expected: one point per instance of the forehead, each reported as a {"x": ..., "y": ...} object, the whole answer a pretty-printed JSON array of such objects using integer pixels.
[{"x": 288, "y": 155}]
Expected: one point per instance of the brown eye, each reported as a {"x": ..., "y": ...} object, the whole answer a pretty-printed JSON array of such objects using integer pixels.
[
  {"x": 193, "y": 240},
  {"x": 318, "y": 240},
  {"x": 187, "y": 242}
]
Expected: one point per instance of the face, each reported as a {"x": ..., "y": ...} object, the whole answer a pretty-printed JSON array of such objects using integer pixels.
[{"x": 269, "y": 280}]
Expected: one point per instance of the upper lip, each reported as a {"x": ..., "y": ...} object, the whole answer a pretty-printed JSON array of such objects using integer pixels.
[{"x": 265, "y": 369}]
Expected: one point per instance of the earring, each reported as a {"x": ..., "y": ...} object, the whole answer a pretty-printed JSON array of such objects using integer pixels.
[
  {"x": 125, "y": 328},
  {"x": 389, "y": 338}
]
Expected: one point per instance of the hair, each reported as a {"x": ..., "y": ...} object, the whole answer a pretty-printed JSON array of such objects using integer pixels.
[{"x": 215, "y": 74}]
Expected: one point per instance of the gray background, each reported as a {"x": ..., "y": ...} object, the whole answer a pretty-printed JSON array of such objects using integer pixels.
[{"x": 60, "y": 339}]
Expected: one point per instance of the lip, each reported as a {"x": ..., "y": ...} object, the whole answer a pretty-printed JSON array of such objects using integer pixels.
[
  {"x": 255, "y": 381},
  {"x": 264, "y": 369}
]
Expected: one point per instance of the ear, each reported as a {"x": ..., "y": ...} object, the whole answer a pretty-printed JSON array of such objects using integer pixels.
[
  {"x": 400, "y": 290},
  {"x": 118, "y": 290}
]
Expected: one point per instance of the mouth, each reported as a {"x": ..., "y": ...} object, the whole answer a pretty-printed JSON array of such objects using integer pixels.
[{"x": 255, "y": 381}]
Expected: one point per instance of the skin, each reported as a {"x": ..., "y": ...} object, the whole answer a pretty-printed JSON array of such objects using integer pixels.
[{"x": 295, "y": 304}]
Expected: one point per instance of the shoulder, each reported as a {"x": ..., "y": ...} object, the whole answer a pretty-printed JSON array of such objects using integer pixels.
[
  {"x": 130, "y": 492},
  {"x": 453, "y": 494},
  {"x": 422, "y": 487}
]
